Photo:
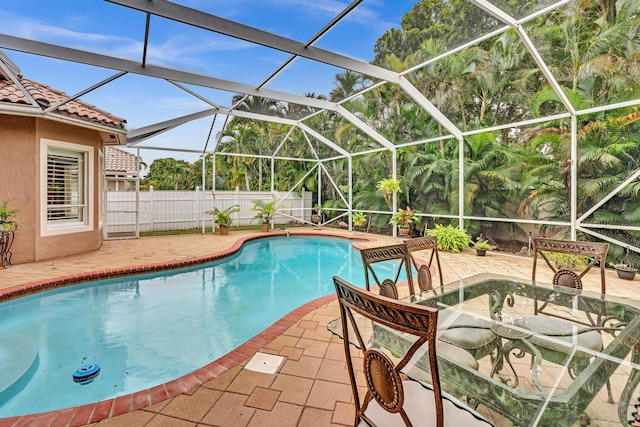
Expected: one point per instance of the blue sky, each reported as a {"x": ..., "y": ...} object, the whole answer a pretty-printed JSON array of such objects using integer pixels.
[{"x": 103, "y": 27}]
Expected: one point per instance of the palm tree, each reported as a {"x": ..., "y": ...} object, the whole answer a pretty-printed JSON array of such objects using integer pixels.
[{"x": 347, "y": 84}]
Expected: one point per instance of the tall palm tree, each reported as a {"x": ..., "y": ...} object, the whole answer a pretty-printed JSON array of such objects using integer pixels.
[{"x": 347, "y": 84}]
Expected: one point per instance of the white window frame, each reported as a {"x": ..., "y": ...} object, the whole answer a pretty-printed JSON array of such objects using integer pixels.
[{"x": 52, "y": 228}]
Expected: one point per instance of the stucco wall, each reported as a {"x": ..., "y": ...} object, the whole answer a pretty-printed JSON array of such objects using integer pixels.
[
  {"x": 19, "y": 181},
  {"x": 20, "y": 184}
]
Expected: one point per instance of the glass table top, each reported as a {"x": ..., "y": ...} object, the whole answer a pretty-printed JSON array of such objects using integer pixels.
[{"x": 529, "y": 353}]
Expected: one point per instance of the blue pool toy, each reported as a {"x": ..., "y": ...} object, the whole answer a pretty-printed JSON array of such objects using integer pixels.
[{"x": 86, "y": 373}]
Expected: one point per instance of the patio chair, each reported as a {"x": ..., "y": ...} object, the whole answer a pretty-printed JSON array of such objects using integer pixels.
[
  {"x": 596, "y": 252},
  {"x": 426, "y": 243},
  {"x": 466, "y": 332},
  {"x": 554, "y": 332},
  {"x": 391, "y": 397},
  {"x": 477, "y": 338},
  {"x": 387, "y": 254}
]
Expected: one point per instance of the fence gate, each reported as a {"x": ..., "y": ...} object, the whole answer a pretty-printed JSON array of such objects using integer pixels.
[{"x": 121, "y": 220}]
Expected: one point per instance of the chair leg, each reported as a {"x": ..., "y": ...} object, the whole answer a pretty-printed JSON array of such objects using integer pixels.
[{"x": 609, "y": 392}]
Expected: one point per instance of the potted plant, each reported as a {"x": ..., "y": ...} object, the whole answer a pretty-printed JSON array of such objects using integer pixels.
[
  {"x": 358, "y": 218},
  {"x": 450, "y": 238},
  {"x": 389, "y": 185},
  {"x": 223, "y": 217},
  {"x": 482, "y": 246},
  {"x": 403, "y": 219},
  {"x": 265, "y": 213},
  {"x": 7, "y": 228},
  {"x": 317, "y": 216},
  {"x": 625, "y": 271},
  {"x": 6, "y": 223}
]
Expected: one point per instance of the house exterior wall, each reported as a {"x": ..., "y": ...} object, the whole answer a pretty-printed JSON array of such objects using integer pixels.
[{"x": 20, "y": 184}]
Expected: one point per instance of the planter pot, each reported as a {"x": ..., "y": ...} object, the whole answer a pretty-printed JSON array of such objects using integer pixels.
[
  {"x": 481, "y": 252},
  {"x": 264, "y": 227},
  {"x": 223, "y": 229},
  {"x": 404, "y": 232},
  {"x": 626, "y": 273}
]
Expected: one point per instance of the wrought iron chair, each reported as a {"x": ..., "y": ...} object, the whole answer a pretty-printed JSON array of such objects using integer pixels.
[
  {"x": 557, "y": 336},
  {"x": 477, "y": 337},
  {"x": 391, "y": 397},
  {"x": 464, "y": 332},
  {"x": 597, "y": 252},
  {"x": 385, "y": 254},
  {"x": 426, "y": 243}
]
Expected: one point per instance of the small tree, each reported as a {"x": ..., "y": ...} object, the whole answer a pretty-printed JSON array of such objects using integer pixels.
[
  {"x": 358, "y": 218},
  {"x": 265, "y": 210},
  {"x": 223, "y": 217}
]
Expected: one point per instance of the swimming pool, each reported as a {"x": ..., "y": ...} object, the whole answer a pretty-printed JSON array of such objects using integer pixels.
[{"x": 133, "y": 326}]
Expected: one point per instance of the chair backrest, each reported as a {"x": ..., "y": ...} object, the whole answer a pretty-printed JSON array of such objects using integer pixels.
[
  {"x": 596, "y": 252},
  {"x": 426, "y": 243},
  {"x": 399, "y": 253},
  {"x": 382, "y": 374}
]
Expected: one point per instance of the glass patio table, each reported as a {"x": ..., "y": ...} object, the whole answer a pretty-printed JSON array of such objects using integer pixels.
[{"x": 532, "y": 378}]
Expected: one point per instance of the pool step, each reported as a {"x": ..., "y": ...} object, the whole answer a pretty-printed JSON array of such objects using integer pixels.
[{"x": 18, "y": 362}]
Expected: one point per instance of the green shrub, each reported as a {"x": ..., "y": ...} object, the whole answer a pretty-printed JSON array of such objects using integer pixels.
[
  {"x": 567, "y": 261},
  {"x": 482, "y": 244},
  {"x": 451, "y": 239}
]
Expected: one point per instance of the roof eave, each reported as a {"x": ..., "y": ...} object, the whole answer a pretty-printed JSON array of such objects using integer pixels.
[{"x": 110, "y": 135}]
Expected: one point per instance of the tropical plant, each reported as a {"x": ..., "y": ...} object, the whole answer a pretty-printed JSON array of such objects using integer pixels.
[
  {"x": 483, "y": 245},
  {"x": 223, "y": 216},
  {"x": 168, "y": 174},
  {"x": 5, "y": 216},
  {"x": 389, "y": 185},
  {"x": 567, "y": 261},
  {"x": 265, "y": 210},
  {"x": 450, "y": 238},
  {"x": 358, "y": 218},
  {"x": 621, "y": 266},
  {"x": 404, "y": 217}
]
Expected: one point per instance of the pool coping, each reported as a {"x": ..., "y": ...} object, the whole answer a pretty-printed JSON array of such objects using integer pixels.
[{"x": 94, "y": 412}]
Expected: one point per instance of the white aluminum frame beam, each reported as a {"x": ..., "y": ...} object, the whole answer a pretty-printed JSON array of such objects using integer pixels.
[
  {"x": 81, "y": 93},
  {"x": 110, "y": 62},
  {"x": 196, "y": 18},
  {"x": 517, "y": 27}
]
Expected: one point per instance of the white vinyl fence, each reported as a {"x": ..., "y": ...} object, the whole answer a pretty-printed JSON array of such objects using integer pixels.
[{"x": 183, "y": 210}]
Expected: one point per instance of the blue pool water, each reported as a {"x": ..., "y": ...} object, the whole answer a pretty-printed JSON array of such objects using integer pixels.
[{"x": 147, "y": 330}]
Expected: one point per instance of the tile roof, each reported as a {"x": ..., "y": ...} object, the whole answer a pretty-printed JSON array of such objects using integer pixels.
[
  {"x": 46, "y": 96},
  {"x": 117, "y": 160}
]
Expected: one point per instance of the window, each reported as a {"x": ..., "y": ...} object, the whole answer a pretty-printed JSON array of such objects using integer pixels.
[{"x": 68, "y": 178}]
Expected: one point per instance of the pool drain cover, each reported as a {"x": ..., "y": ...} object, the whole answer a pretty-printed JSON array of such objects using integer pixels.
[{"x": 265, "y": 363}]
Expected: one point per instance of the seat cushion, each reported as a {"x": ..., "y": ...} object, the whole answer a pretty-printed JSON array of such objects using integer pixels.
[
  {"x": 563, "y": 335},
  {"x": 418, "y": 366},
  {"x": 478, "y": 334},
  {"x": 457, "y": 354},
  {"x": 419, "y": 404}
]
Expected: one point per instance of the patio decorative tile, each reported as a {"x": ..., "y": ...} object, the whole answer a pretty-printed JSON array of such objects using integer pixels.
[{"x": 263, "y": 398}]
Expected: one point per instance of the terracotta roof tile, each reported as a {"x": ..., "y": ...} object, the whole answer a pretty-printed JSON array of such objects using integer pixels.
[
  {"x": 117, "y": 160},
  {"x": 46, "y": 96}
]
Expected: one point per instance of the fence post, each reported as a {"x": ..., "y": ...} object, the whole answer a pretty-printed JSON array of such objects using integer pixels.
[
  {"x": 237, "y": 202},
  {"x": 198, "y": 209},
  {"x": 152, "y": 210}
]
